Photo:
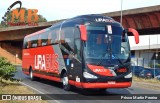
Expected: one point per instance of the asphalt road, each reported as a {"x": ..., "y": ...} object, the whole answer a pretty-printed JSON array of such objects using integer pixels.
[{"x": 42, "y": 86}]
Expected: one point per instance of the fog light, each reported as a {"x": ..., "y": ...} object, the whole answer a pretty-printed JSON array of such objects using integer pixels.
[{"x": 129, "y": 75}]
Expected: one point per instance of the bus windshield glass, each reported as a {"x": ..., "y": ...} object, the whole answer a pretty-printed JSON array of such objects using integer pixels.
[{"x": 106, "y": 42}]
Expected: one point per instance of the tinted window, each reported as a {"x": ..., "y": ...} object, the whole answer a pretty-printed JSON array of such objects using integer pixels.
[
  {"x": 77, "y": 42},
  {"x": 67, "y": 35},
  {"x": 53, "y": 36},
  {"x": 106, "y": 40},
  {"x": 25, "y": 43},
  {"x": 44, "y": 38},
  {"x": 39, "y": 40},
  {"x": 34, "y": 41}
]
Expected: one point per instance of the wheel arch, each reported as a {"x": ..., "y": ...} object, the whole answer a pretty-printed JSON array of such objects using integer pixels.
[
  {"x": 30, "y": 68},
  {"x": 62, "y": 73}
]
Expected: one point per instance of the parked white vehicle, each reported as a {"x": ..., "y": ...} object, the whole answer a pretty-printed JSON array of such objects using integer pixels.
[{"x": 158, "y": 77}]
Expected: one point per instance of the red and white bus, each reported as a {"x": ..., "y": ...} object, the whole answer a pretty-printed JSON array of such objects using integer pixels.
[{"x": 88, "y": 51}]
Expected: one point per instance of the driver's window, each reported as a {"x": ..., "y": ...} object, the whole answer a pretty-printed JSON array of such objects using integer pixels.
[
  {"x": 77, "y": 45},
  {"x": 124, "y": 46}
]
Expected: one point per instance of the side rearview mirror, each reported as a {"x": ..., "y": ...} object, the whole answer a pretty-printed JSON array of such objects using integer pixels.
[
  {"x": 83, "y": 32},
  {"x": 135, "y": 33}
]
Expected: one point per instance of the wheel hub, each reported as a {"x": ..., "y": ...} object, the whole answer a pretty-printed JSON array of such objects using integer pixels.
[
  {"x": 65, "y": 81},
  {"x": 31, "y": 75}
]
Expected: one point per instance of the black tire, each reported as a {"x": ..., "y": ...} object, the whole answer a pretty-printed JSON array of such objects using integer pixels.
[
  {"x": 31, "y": 75},
  {"x": 65, "y": 82},
  {"x": 103, "y": 90}
]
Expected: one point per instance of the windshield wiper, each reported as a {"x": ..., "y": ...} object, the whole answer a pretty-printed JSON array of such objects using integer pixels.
[
  {"x": 118, "y": 59},
  {"x": 123, "y": 64},
  {"x": 113, "y": 55},
  {"x": 100, "y": 61}
]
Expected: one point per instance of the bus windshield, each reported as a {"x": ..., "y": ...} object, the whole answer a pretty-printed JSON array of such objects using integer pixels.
[{"x": 106, "y": 42}]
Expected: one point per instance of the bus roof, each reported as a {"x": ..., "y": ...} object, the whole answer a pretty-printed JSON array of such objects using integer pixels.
[
  {"x": 90, "y": 17},
  {"x": 41, "y": 31},
  {"x": 94, "y": 18},
  {"x": 36, "y": 33}
]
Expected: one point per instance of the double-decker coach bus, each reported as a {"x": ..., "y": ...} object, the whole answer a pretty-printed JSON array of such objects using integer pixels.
[{"x": 88, "y": 51}]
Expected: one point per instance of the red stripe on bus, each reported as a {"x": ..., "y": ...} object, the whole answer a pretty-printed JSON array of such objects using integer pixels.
[
  {"x": 71, "y": 82},
  {"x": 47, "y": 77}
]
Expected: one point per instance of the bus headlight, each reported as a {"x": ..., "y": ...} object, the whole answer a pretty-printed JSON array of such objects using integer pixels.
[
  {"x": 88, "y": 75},
  {"x": 129, "y": 75}
]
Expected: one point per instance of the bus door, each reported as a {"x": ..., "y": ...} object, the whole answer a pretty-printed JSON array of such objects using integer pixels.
[
  {"x": 67, "y": 47},
  {"x": 77, "y": 61},
  {"x": 73, "y": 61}
]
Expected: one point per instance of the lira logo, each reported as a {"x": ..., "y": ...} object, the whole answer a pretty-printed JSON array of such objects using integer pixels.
[
  {"x": 46, "y": 62},
  {"x": 103, "y": 20}
]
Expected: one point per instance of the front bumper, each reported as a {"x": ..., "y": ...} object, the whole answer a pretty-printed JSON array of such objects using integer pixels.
[
  {"x": 106, "y": 85},
  {"x": 101, "y": 85}
]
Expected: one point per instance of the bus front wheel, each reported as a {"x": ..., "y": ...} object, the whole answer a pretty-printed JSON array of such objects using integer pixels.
[
  {"x": 102, "y": 90},
  {"x": 65, "y": 81}
]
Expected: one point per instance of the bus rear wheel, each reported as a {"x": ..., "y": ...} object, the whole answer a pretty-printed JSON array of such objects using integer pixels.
[
  {"x": 31, "y": 75},
  {"x": 65, "y": 81}
]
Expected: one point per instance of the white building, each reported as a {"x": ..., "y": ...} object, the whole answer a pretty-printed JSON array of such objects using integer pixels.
[{"x": 144, "y": 53}]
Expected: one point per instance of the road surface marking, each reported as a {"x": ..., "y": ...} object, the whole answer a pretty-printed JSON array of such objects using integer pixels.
[{"x": 38, "y": 91}]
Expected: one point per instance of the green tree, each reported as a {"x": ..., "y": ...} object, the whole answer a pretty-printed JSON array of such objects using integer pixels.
[
  {"x": 7, "y": 70},
  {"x": 16, "y": 20}
]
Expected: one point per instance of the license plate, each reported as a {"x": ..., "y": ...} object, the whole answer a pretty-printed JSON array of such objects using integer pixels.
[{"x": 111, "y": 82}]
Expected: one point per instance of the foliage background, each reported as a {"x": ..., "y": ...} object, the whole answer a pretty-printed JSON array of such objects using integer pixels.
[{"x": 7, "y": 70}]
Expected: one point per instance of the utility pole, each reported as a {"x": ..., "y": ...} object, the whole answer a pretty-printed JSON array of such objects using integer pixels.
[{"x": 121, "y": 11}]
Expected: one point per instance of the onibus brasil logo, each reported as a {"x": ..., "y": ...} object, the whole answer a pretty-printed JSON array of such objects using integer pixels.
[{"x": 32, "y": 16}]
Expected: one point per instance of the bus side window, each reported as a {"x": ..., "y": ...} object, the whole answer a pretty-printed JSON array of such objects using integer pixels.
[
  {"x": 67, "y": 38},
  {"x": 62, "y": 37},
  {"x": 29, "y": 44},
  {"x": 55, "y": 34},
  {"x": 49, "y": 38},
  {"x": 39, "y": 41},
  {"x": 77, "y": 44},
  {"x": 25, "y": 44},
  {"x": 44, "y": 38},
  {"x": 34, "y": 41}
]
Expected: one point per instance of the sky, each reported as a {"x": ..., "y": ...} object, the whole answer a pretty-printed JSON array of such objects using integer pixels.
[{"x": 62, "y": 9}]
